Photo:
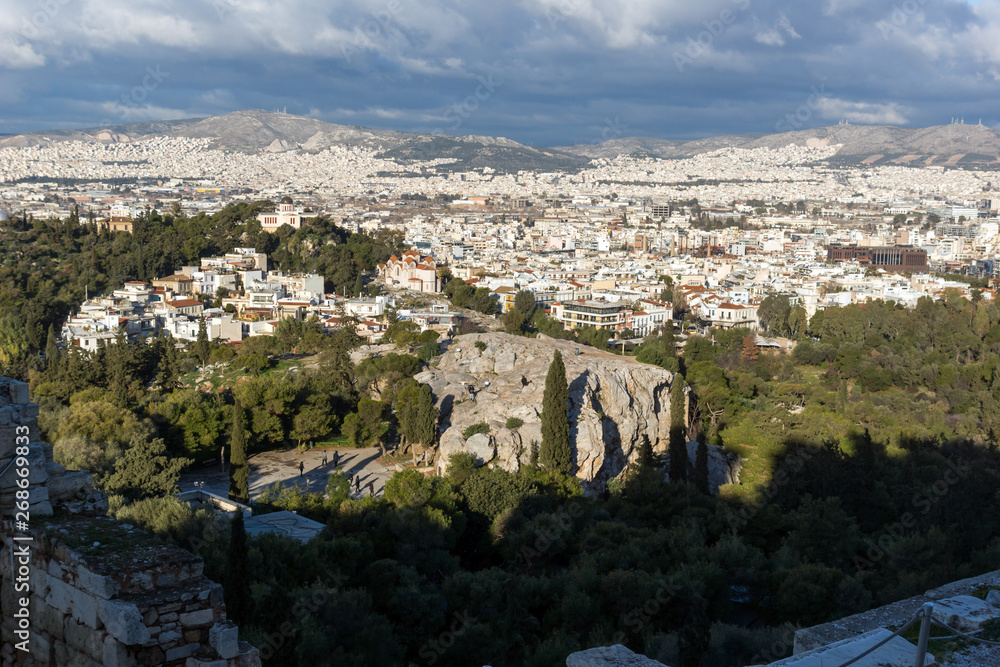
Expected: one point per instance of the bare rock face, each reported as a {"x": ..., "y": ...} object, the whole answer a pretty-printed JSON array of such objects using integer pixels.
[{"x": 614, "y": 401}]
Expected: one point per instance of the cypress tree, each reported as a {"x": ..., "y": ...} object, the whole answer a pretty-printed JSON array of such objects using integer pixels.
[
  {"x": 239, "y": 469},
  {"x": 201, "y": 345},
  {"x": 358, "y": 285},
  {"x": 701, "y": 468},
  {"x": 678, "y": 444},
  {"x": 554, "y": 454},
  {"x": 51, "y": 352},
  {"x": 239, "y": 601}
]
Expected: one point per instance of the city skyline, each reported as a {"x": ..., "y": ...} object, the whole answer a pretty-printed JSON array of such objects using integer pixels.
[{"x": 556, "y": 72}]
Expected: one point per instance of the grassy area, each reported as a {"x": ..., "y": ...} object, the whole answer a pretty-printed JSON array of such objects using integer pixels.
[{"x": 230, "y": 373}]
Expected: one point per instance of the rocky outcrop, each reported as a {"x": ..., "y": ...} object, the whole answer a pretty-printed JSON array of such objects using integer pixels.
[
  {"x": 610, "y": 656},
  {"x": 491, "y": 378}
]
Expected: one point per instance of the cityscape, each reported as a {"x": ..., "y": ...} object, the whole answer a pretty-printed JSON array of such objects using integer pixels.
[{"x": 583, "y": 333}]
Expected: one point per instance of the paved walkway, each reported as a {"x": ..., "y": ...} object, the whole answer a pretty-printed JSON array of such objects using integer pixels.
[{"x": 282, "y": 467}]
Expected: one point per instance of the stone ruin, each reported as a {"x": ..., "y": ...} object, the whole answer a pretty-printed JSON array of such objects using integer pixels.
[{"x": 99, "y": 592}]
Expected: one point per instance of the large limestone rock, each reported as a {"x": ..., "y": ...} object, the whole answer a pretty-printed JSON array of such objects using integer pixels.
[
  {"x": 610, "y": 656},
  {"x": 964, "y": 613},
  {"x": 614, "y": 401}
]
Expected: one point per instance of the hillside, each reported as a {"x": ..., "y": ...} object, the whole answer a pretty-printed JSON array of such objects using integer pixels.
[
  {"x": 942, "y": 144},
  {"x": 262, "y": 131}
]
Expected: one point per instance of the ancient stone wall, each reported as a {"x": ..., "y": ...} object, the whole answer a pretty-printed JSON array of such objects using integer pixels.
[{"x": 79, "y": 588}]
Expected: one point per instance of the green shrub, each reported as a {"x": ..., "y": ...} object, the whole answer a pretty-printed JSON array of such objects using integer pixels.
[
  {"x": 481, "y": 427},
  {"x": 480, "y": 345},
  {"x": 514, "y": 423}
]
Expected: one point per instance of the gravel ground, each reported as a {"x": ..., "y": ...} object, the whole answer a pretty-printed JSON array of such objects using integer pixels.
[{"x": 975, "y": 656}]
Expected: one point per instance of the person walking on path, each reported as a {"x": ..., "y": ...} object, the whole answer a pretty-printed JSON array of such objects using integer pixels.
[
  {"x": 371, "y": 488},
  {"x": 324, "y": 458},
  {"x": 336, "y": 459},
  {"x": 357, "y": 484},
  {"x": 302, "y": 468}
]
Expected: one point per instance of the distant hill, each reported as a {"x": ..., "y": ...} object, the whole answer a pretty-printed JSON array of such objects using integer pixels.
[
  {"x": 256, "y": 131},
  {"x": 874, "y": 144}
]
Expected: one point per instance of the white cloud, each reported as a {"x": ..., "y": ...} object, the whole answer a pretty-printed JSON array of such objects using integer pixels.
[{"x": 863, "y": 113}]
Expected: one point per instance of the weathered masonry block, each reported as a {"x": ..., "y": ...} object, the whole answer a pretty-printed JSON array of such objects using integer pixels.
[{"x": 100, "y": 592}]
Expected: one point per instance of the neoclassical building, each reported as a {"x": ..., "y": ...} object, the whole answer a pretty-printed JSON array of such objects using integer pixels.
[
  {"x": 411, "y": 271},
  {"x": 287, "y": 214}
]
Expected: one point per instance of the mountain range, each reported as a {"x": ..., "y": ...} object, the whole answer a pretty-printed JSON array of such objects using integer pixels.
[{"x": 257, "y": 131}]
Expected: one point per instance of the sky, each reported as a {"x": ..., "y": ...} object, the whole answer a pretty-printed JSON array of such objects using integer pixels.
[{"x": 541, "y": 72}]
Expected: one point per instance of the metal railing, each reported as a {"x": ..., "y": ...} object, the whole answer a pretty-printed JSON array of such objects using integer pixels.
[{"x": 926, "y": 618}]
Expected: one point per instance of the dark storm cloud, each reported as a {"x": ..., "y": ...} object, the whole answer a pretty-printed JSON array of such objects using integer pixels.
[{"x": 544, "y": 72}]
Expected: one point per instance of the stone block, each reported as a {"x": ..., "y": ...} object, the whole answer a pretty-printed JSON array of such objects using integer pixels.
[
  {"x": 197, "y": 618},
  {"x": 168, "y": 636},
  {"x": 896, "y": 653},
  {"x": 964, "y": 612},
  {"x": 216, "y": 597},
  {"x": 150, "y": 617},
  {"x": 181, "y": 652},
  {"x": 116, "y": 654},
  {"x": 85, "y": 608},
  {"x": 67, "y": 485},
  {"x": 40, "y": 648},
  {"x": 85, "y": 639},
  {"x": 993, "y": 598},
  {"x": 224, "y": 638},
  {"x": 195, "y": 662},
  {"x": 249, "y": 656},
  {"x": 97, "y": 585},
  {"x": 124, "y": 622},
  {"x": 57, "y": 594}
]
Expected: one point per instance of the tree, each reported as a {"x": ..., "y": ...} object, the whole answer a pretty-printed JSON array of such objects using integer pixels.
[
  {"x": 701, "y": 468},
  {"x": 51, "y": 352},
  {"x": 239, "y": 599},
  {"x": 749, "y": 352},
  {"x": 773, "y": 314},
  {"x": 239, "y": 471},
  {"x": 524, "y": 303},
  {"x": 514, "y": 322},
  {"x": 314, "y": 420},
  {"x": 144, "y": 470},
  {"x": 417, "y": 414},
  {"x": 202, "y": 348},
  {"x": 554, "y": 454},
  {"x": 678, "y": 441},
  {"x": 366, "y": 427}
]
